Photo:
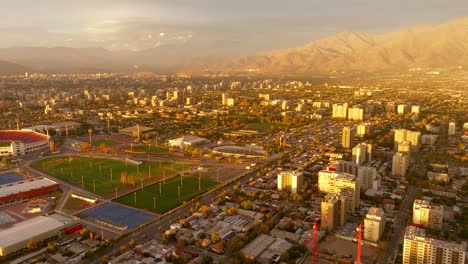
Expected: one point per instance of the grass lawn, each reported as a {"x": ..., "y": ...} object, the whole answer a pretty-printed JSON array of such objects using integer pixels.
[
  {"x": 151, "y": 149},
  {"x": 169, "y": 197},
  {"x": 106, "y": 142},
  {"x": 106, "y": 173},
  {"x": 75, "y": 204}
]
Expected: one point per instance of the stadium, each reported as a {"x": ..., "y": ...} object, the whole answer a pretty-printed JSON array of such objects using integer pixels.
[{"x": 21, "y": 142}]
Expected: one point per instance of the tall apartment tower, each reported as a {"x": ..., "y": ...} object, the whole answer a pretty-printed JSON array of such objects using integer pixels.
[
  {"x": 341, "y": 183},
  {"x": 420, "y": 249},
  {"x": 401, "y": 135},
  {"x": 348, "y": 137},
  {"x": 415, "y": 109},
  {"x": 355, "y": 114},
  {"x": 333, "y": 211},
  {"x": 366, "y": 177},
  {"x": 428, "y": 215},
  {"x": 400, "y": 164},
  {"x": 362, "y": 153},
  {"x": 290, "y": 180},
  {"x": 374, "y": 224},
  {"x": 224, "y": 98},
  {"x": 340, "y": 111},
  {"x": 451, "y": 128}
]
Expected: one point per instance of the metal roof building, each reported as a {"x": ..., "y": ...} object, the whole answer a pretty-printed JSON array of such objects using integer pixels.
[
  {"x": 38, "y": 228},
  {"x": 27, "y": 189}
]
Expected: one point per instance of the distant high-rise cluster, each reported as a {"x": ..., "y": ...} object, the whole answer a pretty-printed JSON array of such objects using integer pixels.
[{"x": 413, "y": 137}]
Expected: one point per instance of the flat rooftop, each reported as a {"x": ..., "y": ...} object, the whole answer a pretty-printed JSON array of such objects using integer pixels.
[
  {"x": 32, "y": 227},
  {"x": 24, "y": 186},
  {"x": 419, "y": 234}
]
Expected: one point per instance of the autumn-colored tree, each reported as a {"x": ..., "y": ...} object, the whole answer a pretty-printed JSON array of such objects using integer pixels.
[
  {"x": 204, "y": 209},
  {"x": 32, "y": 244},
  {"x": 123, "y": 177},
  {"x": 215, "y": 238},
  {"x": 103, "y": 147},
  {"x": 85, "y": 147}
]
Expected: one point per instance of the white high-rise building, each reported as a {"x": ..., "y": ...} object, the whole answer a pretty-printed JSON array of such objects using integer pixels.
[
  {"x": 451, "y": 128},
  {"x": 341, "y": 183},
  {"x": 333, "y": 211},
  {"x": 374, "y": 224},
  {"x": 224, "y": 98},
  {"x": 400, "y": 164},
  {"x": 355, "y": 114},
  {"x": 415, "y": 109},
  {"x": 348, "y": 137},
  {"x": 420, "y": 249},
  {"x": 428, "y": 215},
  {"x": 401, "y": 108},
  {"x": 367, "y": 177},
  {"x": 362, "y": 153},
  {"x": 290, "y": 180},
  {"x": 340, "y": 111},
  {"x": 414, "y": 137}
]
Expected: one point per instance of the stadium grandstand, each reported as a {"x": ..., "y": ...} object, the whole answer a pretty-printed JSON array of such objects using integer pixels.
[
  {"x": 21, "y": 142},
  {"x": 20, "y": 191}
]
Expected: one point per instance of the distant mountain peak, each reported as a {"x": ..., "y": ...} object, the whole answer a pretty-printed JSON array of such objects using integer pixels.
[{"x": 443, "y": 45}]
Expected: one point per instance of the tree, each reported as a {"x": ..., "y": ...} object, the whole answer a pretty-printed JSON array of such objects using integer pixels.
[
  {"x": 232, "y": 211},
  {"x": 235, "y": 245},
  {"x": 5, "y": 162},
  {"x": 105, "y": 258},
  {"x": 52, "y": 246},
  {"x": 84, "y": 232},
  {"x": 204, "y": 209},
  {"x": 215, "y": 238},
  {"x": 247, "y": 205},
  {"x": 85, "y": 147},
  {"x": 132, "y": 242},
  {"x": 32, "y": 244},
  {"x": 206, "y": 260},
  {"x": 237, "y": 188},
  {"x": 123, "y": 177}
]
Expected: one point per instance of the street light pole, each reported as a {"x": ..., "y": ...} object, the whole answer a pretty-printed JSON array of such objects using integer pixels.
[{"x": 90, "y": 131}]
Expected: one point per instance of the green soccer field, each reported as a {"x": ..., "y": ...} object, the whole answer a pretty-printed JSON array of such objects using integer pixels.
[
  {"x": 150, "y": 196},
  {"x": 106, "y": 142},
  {"x": 102, "y": 176}
]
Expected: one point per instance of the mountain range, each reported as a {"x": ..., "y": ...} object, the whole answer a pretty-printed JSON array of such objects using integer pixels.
[{"x": 428, "y": 46}]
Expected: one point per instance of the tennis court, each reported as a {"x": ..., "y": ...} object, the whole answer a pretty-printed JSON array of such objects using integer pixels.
[{"x": 119, "y": 215}]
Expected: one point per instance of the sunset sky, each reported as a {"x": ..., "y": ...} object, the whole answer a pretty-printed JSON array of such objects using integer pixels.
[{"x": 240, "y": 27}]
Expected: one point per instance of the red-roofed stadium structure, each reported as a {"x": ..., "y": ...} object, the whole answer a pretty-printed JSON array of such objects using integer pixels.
[{"x": 21, "y": 142}]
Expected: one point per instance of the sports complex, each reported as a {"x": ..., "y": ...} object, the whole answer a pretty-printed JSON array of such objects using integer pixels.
[{"x": 154, "y": 187}]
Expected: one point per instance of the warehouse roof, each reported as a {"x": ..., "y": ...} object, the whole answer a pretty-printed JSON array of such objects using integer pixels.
[
  {"x": 24, "y": 186},
  {"x": 32, "y": 227}
]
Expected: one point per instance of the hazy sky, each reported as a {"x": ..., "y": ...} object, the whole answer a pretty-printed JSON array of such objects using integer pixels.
[{"x": 229, "y": 26}]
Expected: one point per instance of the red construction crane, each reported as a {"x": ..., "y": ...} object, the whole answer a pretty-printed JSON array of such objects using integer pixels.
[
  {"x": 316, "y": 228},
  {"x": 359, "y": 231}
]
